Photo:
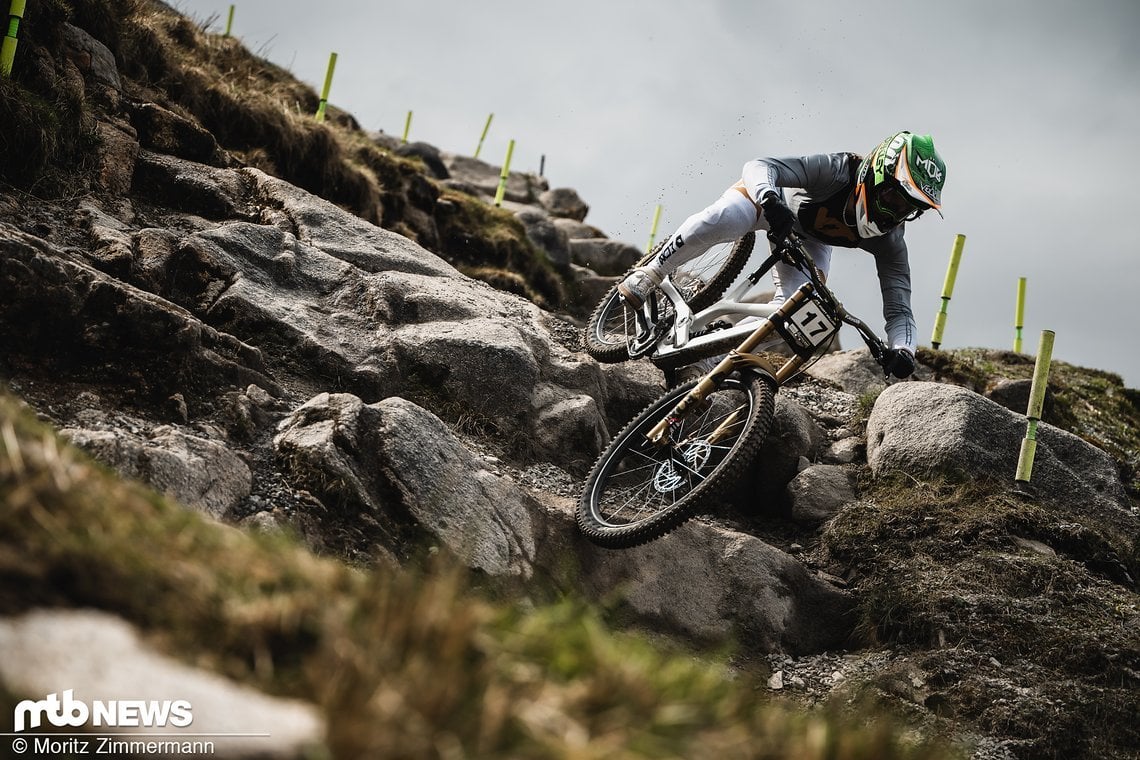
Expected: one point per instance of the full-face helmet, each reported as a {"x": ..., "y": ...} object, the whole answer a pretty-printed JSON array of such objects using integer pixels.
[{"x": 897, "y": 181}]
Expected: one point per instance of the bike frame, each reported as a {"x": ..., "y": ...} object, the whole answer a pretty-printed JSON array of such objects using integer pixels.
[{"x": 808, "y": 321}]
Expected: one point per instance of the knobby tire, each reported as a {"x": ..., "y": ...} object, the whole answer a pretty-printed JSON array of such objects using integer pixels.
[{"x": 638, "y": 492}]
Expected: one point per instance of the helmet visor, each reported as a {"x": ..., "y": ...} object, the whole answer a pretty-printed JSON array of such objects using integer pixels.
[{"x": 895, "y": 204}]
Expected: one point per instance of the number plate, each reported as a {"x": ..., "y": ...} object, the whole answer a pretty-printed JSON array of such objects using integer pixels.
[{"x": 813, "y": 323}]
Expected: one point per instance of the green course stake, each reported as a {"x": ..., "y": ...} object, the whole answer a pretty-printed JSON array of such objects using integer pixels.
[
  {"x": 506, "y": 172},
  {"x": 8, "y": 47},
  {"x": 483, "y": 136},
  {"x": 1036, "y": 403},
  {"x": 947, "y": 290},
  {"x": 407, "y": 126},
  {"x": 230, "y": 22},
  {"x": 653, "y": 228},
  {"x": 1019, "y": 315},
  {"x": 325, "y": 90}
]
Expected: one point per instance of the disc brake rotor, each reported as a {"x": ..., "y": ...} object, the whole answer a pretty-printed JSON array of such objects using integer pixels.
[{"x": 668, "y": 478}]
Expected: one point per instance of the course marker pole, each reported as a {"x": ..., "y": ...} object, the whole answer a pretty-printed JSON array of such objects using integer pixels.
[
  {"x": 947, "y": 290},
  {"x": 407, "y": 126},
  {"x": 325, "y": 90},
  {"x": 8, "y": 47},
  {"x": 506, "y": 172},
  {"x": 653, "y": 228},
  {"x": 230, "y": 22},
  {"x": 1019, "y": 315},
  {"x": 1036, "y": 403},
  {"x": 483, "y": 136}
]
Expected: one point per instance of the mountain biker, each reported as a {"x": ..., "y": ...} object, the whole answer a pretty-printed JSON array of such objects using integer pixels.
[{"x": 833, "y": 199}]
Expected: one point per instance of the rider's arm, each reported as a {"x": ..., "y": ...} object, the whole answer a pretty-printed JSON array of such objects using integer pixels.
[
  {"x": 822, "y": 174},
  {"x": 894, "y": 280}
]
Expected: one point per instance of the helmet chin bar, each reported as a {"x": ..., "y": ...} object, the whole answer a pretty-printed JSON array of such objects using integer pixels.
[{"x": 866, "y": 227}]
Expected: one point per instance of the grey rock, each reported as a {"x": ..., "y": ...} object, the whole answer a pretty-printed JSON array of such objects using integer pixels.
[
  {"x": 101, "y": 657},
  {"x": 521, "y": 187},
  {"x": 710, "y": 584},
  {"x": 428, "y": 154},
  {"x": 794, "y": 435},
  {"x": 576, "y": 230},
  {"x": 91, "y": 56},
  {"x": 844, "y": 451},
  {"x": 1014, "y": 395},
  {"x": 604, "y": 256},
  {"x": 394, "y": 458},
  {"x": 195, "y": 471},
  {"x": 855, "y": 371},
  {"x": 564, "y": 202},
  {"x": 546, "y": 235},
  {"x": 925, "y": 428},
  {"x": 817, "y": 493}
]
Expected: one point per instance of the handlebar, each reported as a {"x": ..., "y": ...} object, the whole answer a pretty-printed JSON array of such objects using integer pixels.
[{"x": 792, "y": 251}]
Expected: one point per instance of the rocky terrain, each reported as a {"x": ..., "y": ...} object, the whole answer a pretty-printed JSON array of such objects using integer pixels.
[{"x": 322, "y": 337}]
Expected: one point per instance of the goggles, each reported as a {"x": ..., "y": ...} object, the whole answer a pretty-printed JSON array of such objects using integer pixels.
[{"x": 890, "y": 200}]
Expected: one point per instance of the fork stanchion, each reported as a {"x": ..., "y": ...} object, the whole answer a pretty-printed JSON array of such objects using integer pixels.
[
  {"x": 653, "y": 228},
  {"x": 1019, "y": 315},
  {"x": 325, "y": 90},
  {"x": 504, "y": 174},
  {"x": 947, "y": 290},
  {"x": 8, "y": 46},
  {"x": 1033, "y": 413}
]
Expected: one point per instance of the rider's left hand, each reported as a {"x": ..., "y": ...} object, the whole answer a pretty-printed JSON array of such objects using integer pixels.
[{"x": 898, "y": 362}]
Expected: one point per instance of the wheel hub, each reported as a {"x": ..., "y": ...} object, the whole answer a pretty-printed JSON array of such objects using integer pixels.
[{"x": 668, "y": 477}]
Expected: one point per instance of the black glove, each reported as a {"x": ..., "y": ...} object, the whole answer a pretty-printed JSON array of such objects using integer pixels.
[
  {"x": 898, "y": 362},
  {"x": 780, "y": 217}
]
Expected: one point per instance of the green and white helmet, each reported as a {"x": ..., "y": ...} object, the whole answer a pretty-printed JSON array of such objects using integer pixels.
[{"x": 898, "y": 180}]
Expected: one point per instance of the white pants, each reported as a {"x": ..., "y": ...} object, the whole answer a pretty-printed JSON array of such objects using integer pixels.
[{"x": 727, "y": 220}]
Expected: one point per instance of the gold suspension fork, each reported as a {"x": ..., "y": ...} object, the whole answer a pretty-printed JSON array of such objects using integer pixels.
[{"x": 739, "y": 358}]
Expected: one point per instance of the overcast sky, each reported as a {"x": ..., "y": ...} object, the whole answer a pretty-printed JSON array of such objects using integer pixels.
[{"x": 1035, "y": 107}]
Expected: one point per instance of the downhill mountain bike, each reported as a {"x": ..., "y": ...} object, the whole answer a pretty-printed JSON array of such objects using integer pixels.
[{"x": 694, "y": 442}]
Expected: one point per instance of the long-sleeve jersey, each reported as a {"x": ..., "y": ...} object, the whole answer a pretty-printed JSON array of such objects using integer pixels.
[{"x": 817, "y": 188}]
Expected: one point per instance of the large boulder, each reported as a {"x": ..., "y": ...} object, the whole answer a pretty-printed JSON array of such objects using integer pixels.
[
  {"x": 930, "y": 428},
  {"x": 98, "y": 656},
  {"x": 398, "y": 463},
  {"x": 707, "y": 583}
]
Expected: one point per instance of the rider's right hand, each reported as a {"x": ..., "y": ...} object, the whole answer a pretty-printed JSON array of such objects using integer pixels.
[
  {"x": 898, "y": 362},
  {"x": 780, "y": 217}
]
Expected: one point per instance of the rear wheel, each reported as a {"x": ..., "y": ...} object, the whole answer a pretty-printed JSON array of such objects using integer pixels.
[
  {"x": 639, "y": 491},
  {"x": 702, "y": 281}
]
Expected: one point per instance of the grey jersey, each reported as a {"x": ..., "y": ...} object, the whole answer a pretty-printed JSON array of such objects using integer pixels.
[{"x": 817, "y": 188}]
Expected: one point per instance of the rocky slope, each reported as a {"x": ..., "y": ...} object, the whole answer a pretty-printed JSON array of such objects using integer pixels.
[{"x": 372, "y": 357}]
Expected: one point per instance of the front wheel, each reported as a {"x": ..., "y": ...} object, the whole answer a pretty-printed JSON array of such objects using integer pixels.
[
  {"x": 701, "y": 281},
  {"x": 639, "y": 490}
]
